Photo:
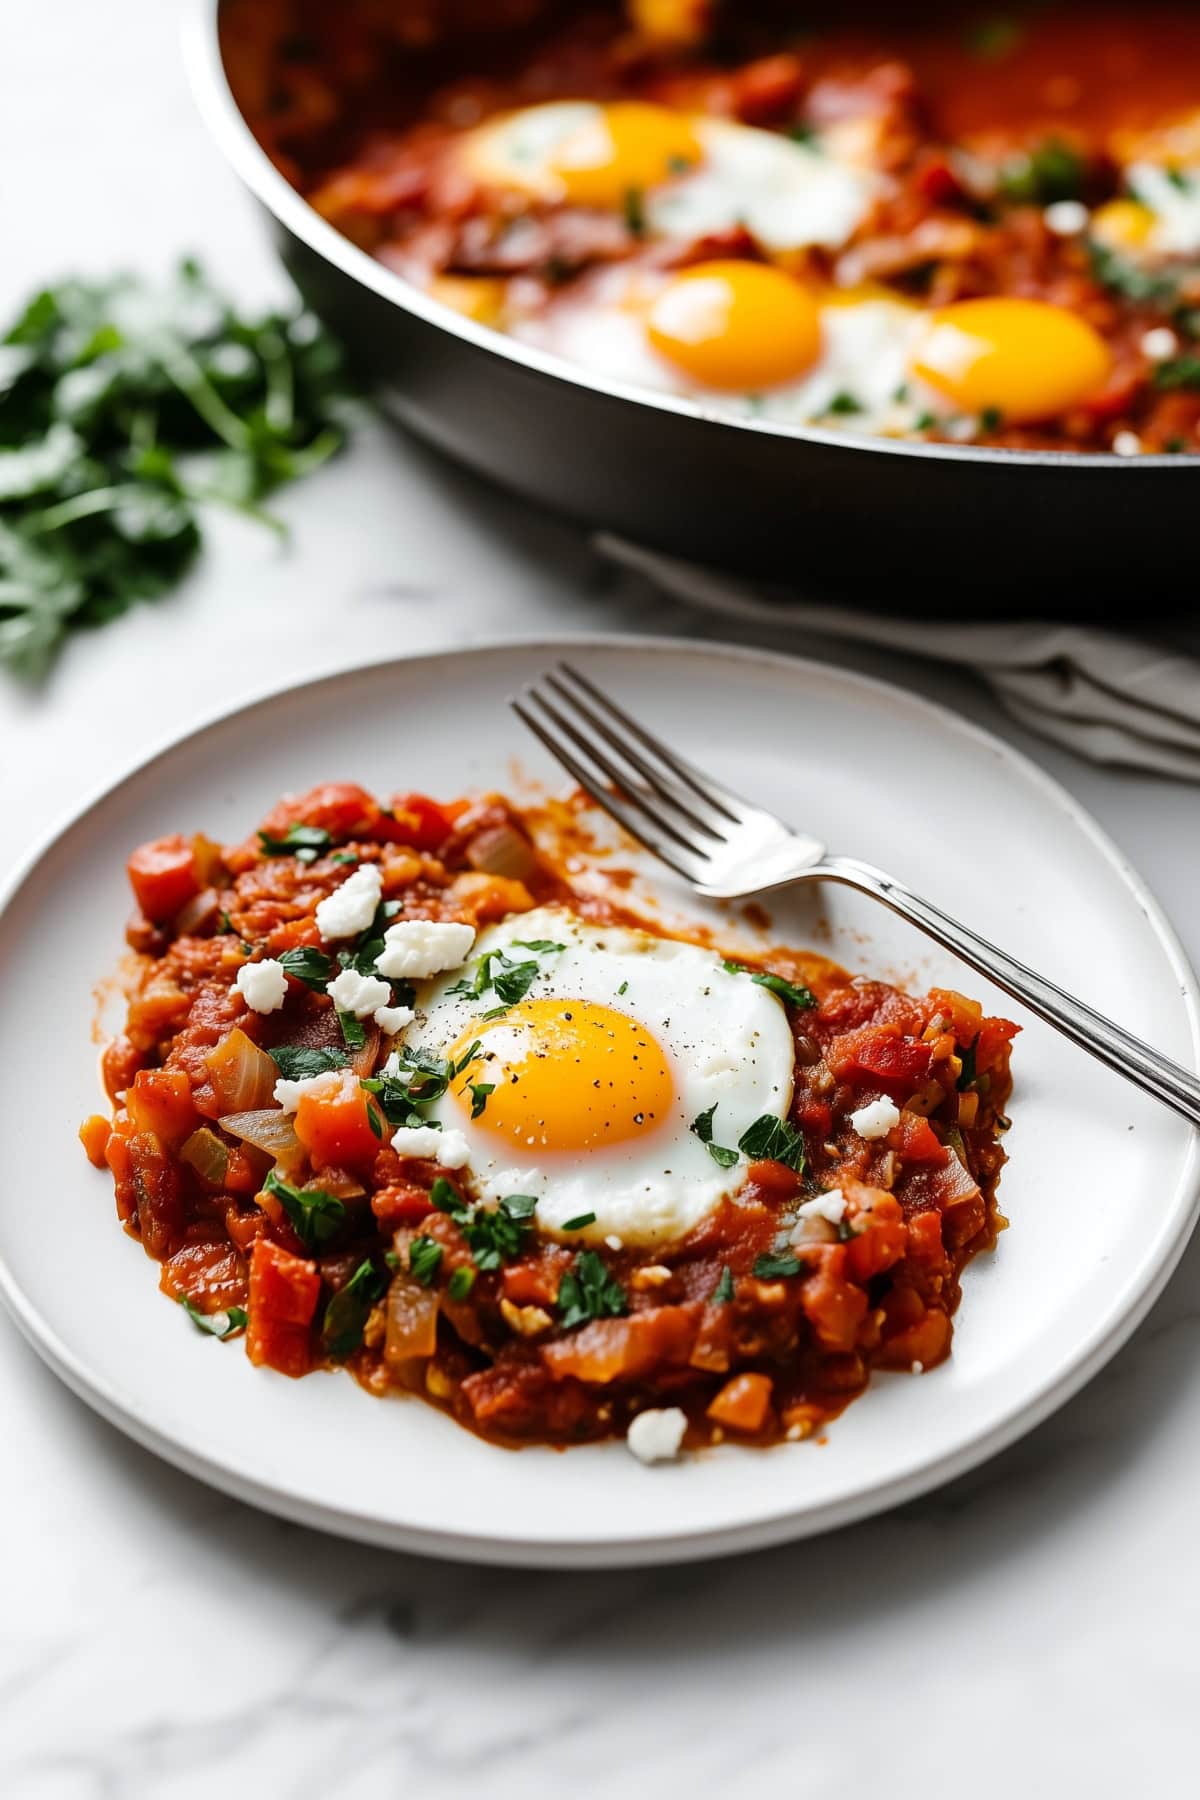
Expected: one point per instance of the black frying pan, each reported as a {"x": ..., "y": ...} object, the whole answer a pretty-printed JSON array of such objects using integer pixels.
[{"x": 918, "y": 527}]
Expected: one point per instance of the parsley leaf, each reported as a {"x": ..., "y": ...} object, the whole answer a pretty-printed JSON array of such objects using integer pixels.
[
  {"x": 308, "y": 965},
  {"x": 446, "y": 1197},
  {"x": 588, "y": 1291},
  {"x": 1178, "y": 372},
  {"x": 125, "y": 405},
  {"x": 461, "y": 1283},
  {"x": 1053, "y": 170},
  {"x": 791, "y": 991},
  {"x": 302, "y": 841},
  {"x": 496, "y": 1234},
  {"x": 315, "y": 1216},
  {"x": 773, "y": 1140},
  {"x": 542, "y": 946},
  {"x": 353, "y": 1032},
  {"x": 578, "y": 1223},
  {"x": 967, "y": 1077},
  {"x": 349, "y": 1309},
  {"x": 424, "y": 1260},
  {"x": 702, "y": 1125},
  {"x": 769, "y": 1268},
  {"x": 722, "y": 1294},
  {"x": 296, "y": 1062},
  {"x": 221, "y": 1325},
  {"x": 479, "y": 1096}
]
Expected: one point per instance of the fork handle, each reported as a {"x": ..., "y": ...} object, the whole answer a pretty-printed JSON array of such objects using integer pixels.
[{"x": 1175, "y": 1086}]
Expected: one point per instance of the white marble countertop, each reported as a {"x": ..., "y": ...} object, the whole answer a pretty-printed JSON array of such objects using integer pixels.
[{"x": 1032, "y": 1626}]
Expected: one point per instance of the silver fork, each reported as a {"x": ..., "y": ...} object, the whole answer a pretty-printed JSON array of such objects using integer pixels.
[{"x": 730, "y": 849}]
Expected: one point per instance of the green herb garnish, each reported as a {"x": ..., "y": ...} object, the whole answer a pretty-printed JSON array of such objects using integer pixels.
[
  {"x": 967, "y": 1077},
  {"x": 635, "y": 212},
  {"x": 773, "y": 1140},
  {"x": 124, "y": 405},
  {"x": 310, "y": 966},
  {"x": 771, "y": 1268},
  {"x": 496, "y": 1234},
  {"x": 315, "y": 1215},
  {"x": 353, "y": 1032},
  {"x": 296, "y": 1062},
  {"x": 461, "y": 1283},
  {"x": 510, "y": 980},
  {"x": 424, "y": 1260},
  {"x": 542, "y": 946},
  {"x": 990, "y": 419},
  {"x": 1178, "y": 372},
  {"x": 1052, "y": 171},
  {"x": 1120, "y": 276},
  {"x": 702, "y": 1125},
  {"x": 578, "y": 1223},
  {"x": 790, "y": 991},
  {"x": 349, "y": 1309},
  {"x": 304, "y": 842},
  {"x": 223, "y": 1324},
  {"x": 844, "y": 403},
  {"x": 480, "y": 1091},
  {"x": 722, "y": 1294},
  {"x": 588, "y": 1291}
]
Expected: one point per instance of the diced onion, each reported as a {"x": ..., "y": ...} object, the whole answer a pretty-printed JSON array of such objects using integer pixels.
[
  {"x": 502, "y": 850},
  {"x": 205, "y": 1153},
  {"x": 242, "y": 1075},
  {"x": 207, "y": 860},
  {"x": 412, "y": 1315},
  {"x": 267, "y": 1129}
]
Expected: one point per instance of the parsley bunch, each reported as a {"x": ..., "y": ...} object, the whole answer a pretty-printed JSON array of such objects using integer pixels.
[{"x": 122, "y": 406}]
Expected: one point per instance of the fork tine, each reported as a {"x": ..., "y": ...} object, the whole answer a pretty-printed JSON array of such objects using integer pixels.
[
  {"x": 720, "y": 798},
  {"x": 669, "y": 794},
  {"x": 615, "y": 774},
  {"x": 626, "y": 814}
]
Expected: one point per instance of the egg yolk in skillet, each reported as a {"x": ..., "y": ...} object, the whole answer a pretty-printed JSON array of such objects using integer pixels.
[
  {"x": 736, "y": 325},
  {"x": 623, "y": 149},
  {"x": 566, "y": 1075},
  {"x": 1024, "y": 358}
]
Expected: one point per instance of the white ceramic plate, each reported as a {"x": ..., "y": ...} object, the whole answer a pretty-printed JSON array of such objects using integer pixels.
[{"x": 1101, "y": 1188}]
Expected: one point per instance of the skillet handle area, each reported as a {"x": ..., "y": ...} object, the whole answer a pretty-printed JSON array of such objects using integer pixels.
[{"x": 1168, "y": 1081}]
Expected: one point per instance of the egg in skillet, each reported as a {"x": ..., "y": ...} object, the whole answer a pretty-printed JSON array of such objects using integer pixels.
[{"x": 585, "y": 1088}]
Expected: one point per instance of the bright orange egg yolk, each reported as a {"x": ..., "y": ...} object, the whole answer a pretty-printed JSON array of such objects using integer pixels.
[
  {"x": 624, "y": 149},
  {"x": 738, "y": 326},
  {"x": 566, "y": 1075},
  {"x": 1025, "y": 359}
]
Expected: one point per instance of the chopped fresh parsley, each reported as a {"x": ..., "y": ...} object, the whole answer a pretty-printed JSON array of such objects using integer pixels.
[
  {"x": 623, "y": 989},
  {"x": 722, "y": 1294},
  {"x": 304, "y": 842},
  {"x": 496, "y": 1234},
  {"x": 635, "y": 212},
  {"x": 296, "y": 1062},
  {"x": 509, "y": 980},
  {"x": 540, "y": 946},
  {"x": 1120, "y": 276},
  {"x": 345, "y": 856},
  {"x": 419, "y": 1080},
  {"x": 461, "y": 1283},
  {"x": 991, "y": 419},
  {"x": 588, "y": 1291},
  {"x": 480, "y": 1091},
  {"x": 224, "y": 924},
  {"x": 353, "y": 1032},
  {"x": 791, "y": 991},
  {"x": 223, "y": 1324},
  {"x": 315, "y": 1215},
  {"x": 771, "y": 1268},
  {"x": 1053, "y": 170},
  {"x": 374, "y": 1121},
  {"x": 578, "y": 1223},
  {"x": 347, "y": 1312},
  {"x": 424, "y": 1260},
  {"x": 308, "y": 965},
  {"x": 124, "y": 406},
  {"x": 702, "y": 1125},
  {"x": 1178, "y": 372},
  {"x": 844, "y": 403},
  {"x": 367, "y": 948},
  {"x": 773, "y": 1140},
  {"x": 446, "y": 1197},
  {"x": 967, "y": 1077}
]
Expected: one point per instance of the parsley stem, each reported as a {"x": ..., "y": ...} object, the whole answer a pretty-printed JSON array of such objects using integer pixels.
[
  {"x": 83, "y": 506},
  {"x": 182, "y": 368}
]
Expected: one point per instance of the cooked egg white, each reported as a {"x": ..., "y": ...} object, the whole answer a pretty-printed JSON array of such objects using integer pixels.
[
  {"x": 693, "y": 176},
  {"x": 595, "y": 1076}
]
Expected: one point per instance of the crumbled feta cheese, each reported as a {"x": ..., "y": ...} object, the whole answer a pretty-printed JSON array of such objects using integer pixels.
[
  {"x": 876, "y": 1119},
  {"x": 415, "y": 948},
  {"x": 831, "y": 1206},
  {"x": 655, "y": 1435},
  {"x": 359, "y": 994},
  {"x": 1066, "y": 218},
  {"x": 1160, "y": 344},
  {"x": 393, "y": 1018},
  {"x": 262, "y": 985},
  {"x": 351, "y": 907},
  {"x": 614, "y": 1242},
  {"x": 449, "y": 1148},
  {"x": 287, "y": 1093},
  {"x": 1127, "y": 443}
]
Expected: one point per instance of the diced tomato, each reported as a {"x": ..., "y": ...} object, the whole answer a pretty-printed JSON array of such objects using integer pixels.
[
  {"x": 94, "y": 1134},
  {"x": 833, "y": 1306},
  {"x": 341, "y": 808},
  {"x": 535, "y": 1282},
  {"x": 816, "y": 1116},
  {"x": 283, "y": 1298},
  {"x": 163, "y": 876},
  {"x": 925, "y": 1240},
  {"x": 879, "y": 1235},
  {"x": 160, "y": 1100},
  {"x": 403, "y": 1204},
  {"x": 623, "y": 1349},
  {"x": 119, "y": 1064},
  {"x": 415, "y": 820},
  {"x": 916, "y": 1142},
  {"x": 963, "y": 1016},
  {"x": 773, "y": 1179},
  {"x": 335, "y": 1126},
  {"x": 148, "y": 1191},
  {"x": 937, "y": 180},
  {"x": 879, "y": 1053},
  {"x": 241, "y": 1174},
  {"x": 991, "y": 1047},
  {"x": 742, "y": 1403}
]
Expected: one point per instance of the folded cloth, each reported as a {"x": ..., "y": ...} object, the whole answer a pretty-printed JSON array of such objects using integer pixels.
[{"x": 1125, "y": 700}]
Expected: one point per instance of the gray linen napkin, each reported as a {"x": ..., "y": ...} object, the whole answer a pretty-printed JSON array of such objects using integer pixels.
[{"x": 1128, "y": 701}]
